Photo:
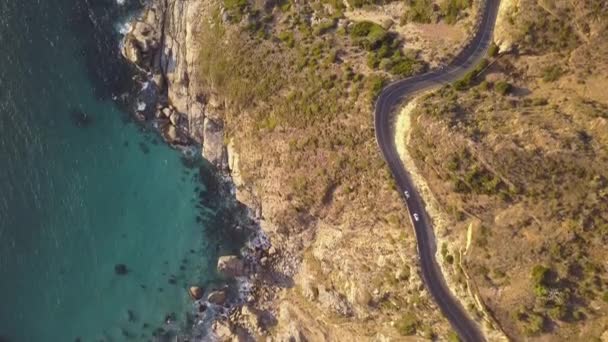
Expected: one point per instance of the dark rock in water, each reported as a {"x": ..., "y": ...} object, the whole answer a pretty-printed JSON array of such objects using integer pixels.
[
  {"x": 192, "y": 251},
  {"x": 182, "y": 268},
  {"x": 80, "y": 118},
  {"x": 125, "y": 333},
  {"x": 121, "y": 269},
  {"x": 160, "y": 289},
  {"x": 142, "y": 286},
  {"x": 172, "y": 281},
  {"x": 77, "y": 339},
  {"x": 145, "y": 326},
  {"x": 125, "y": 144},
  {"x": 144, "y": 148},
  {"x": 132, "y": 317},
  {"x": 172, "y": 317}
]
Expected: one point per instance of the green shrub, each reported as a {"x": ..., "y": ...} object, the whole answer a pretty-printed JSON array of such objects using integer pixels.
[
  {"x": 465, "y": 82},
  {"x": 534, "y": 325},
  {"x": 287, "y": 38},
  {"x": 368, "y": 34},
  {"x": 493, "y": 50},
  {"x": 407, "y": 325},
  {"x": 375, "y": 84},
  {"x": 451, "y": 9},
  {"x": 453, "y": 337},
  {"x": 284, "y": 5},
  {"x": 552, "y": 73},
  {"x": 420, "y": 11},
  {"x": 502, "y": 87},
  {"x": 324, "y": 26},
  {"x": 235, "y": 5}
]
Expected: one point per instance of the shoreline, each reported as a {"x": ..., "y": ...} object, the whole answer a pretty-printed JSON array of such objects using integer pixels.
[{"x": 188, "y": 122}]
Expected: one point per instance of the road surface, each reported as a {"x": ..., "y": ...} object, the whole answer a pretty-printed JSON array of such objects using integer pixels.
[{"x": 391, "y": 99}]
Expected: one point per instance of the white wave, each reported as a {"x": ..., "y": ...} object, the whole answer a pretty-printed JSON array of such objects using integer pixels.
[{"x": 123, "y": 27}]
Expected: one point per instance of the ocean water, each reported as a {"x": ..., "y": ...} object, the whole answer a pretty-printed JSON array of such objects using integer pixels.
[{"x": 83, "y": 189}]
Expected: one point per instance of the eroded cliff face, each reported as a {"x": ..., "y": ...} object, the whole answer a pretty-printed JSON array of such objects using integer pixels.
[
  {"x": 162, "y": 43},
  {"x": 342, "y": 265}
]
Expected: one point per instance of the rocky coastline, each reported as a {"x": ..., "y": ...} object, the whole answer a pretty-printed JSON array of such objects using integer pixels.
[{"x": 161, "y": 46}]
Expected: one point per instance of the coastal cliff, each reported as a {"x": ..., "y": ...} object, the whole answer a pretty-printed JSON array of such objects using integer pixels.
[
  {"x": 162, "y": 44},
  {"x": 287, "y": 115}
]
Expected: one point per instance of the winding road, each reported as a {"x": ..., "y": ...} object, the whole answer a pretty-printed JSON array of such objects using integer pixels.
[{"x": 391, "y": 99}]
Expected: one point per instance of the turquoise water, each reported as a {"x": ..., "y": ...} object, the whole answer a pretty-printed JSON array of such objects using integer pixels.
[{"x": 83, "y": 189}]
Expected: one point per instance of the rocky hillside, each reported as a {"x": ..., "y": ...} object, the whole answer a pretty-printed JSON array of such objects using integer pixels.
[
  {"x": 280, "y": 95},
  {"x": 519, "y": 154}
]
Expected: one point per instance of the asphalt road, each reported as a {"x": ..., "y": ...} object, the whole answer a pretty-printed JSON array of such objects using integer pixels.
[{"x": 391, "y": 99}]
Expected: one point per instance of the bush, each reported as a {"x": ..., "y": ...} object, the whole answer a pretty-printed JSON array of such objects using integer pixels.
[
  {"x": 233, "y": 5},
  {"x": 324, "y": 27},
  {"x": 502, "y": 87},
  {"x": 535, "y": 324},
  {"x": 420, "y": 11},
  {"x": 465, "y": 82},
  {"x": 407, "y": 325},
  {"x": 552, "y": 73},
  {"x": 453, "y": 337},
  {"x": 287, "y": 38},
  {"x": 451, "y": 9},
  {"x": 493, "y": 50},
  {"x": 375, "y": 85},
  {"x": 369, "y": 35}
]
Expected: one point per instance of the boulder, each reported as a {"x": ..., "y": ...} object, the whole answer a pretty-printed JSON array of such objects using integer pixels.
[
  {"x": 195, "y": 292},
  {"x": 167, "y": 112},
  {"x": 230, "y": 266},
  {"x": 174, "y": 118},
  {"x": 131, "y": 50},
  {"x": 121, "y": 269},
  {"x": 171, "y": 133},
  {"x": 217, "y": 297}
]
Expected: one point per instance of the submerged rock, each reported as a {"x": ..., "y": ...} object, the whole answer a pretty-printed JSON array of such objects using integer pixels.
[
  {"x": 230, "y": 266},
  {"x": 80, "y": 118},
  {"x": 121, "y": 269},
  {"x": 195, "y": 292}
]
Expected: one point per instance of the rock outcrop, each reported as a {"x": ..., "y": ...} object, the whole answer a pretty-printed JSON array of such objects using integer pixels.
[
  {"x": 195, "y": 292},
  {"x": 162, "y": 44},
  {"x": 230, "y": 266}
]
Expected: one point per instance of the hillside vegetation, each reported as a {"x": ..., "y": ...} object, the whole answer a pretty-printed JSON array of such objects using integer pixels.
[
  {"x": 520, "y": 151},
  {"x": 295, "y": 84}
]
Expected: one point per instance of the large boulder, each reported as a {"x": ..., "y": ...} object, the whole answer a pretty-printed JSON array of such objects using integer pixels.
[
  {"x": 217, "y": 297},
  {"x": 195, "y": 292},
  {"x": 230, "y": 266}
]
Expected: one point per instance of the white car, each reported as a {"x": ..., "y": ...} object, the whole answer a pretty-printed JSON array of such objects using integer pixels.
[
  {"x": 407, "y": 194},
  {"x": 416, "y": 217}
]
